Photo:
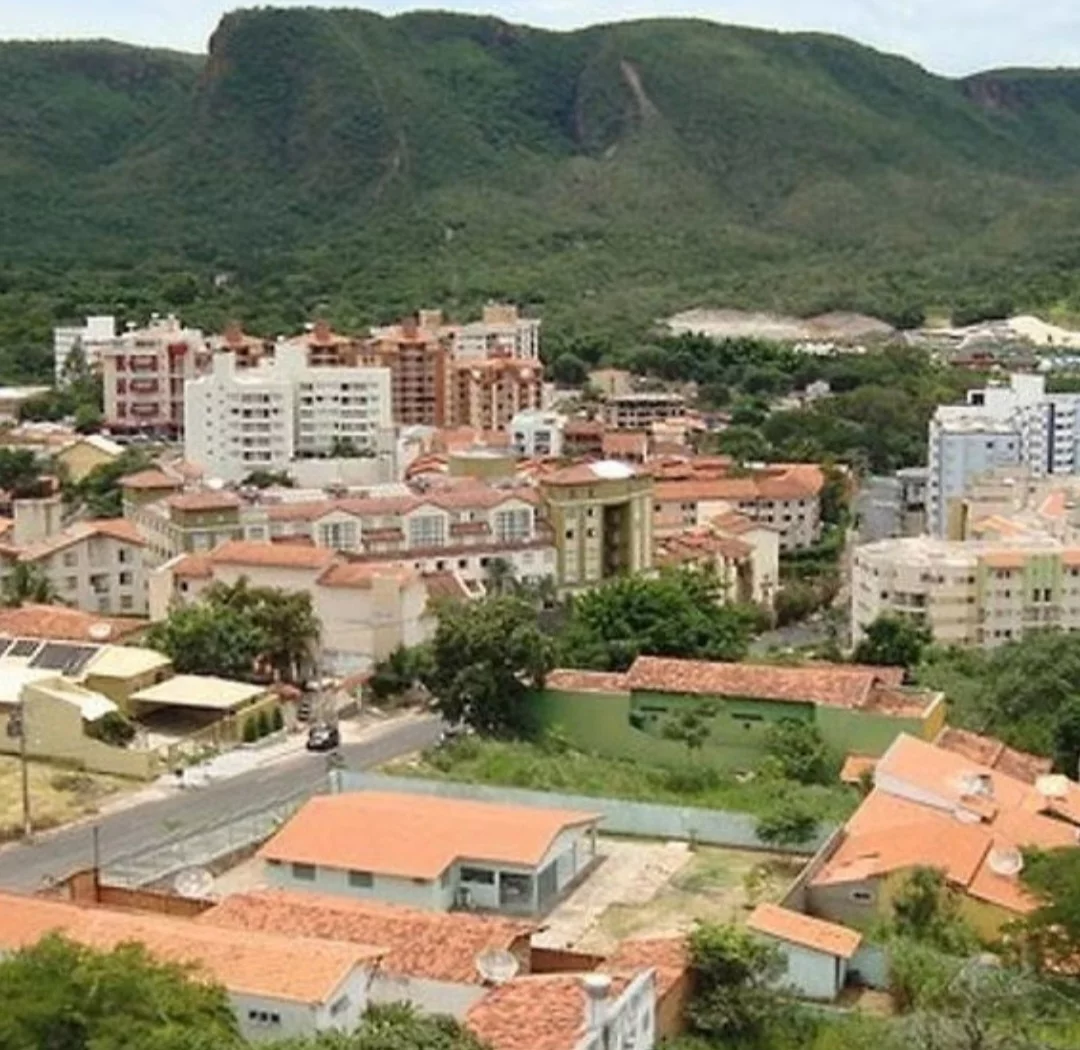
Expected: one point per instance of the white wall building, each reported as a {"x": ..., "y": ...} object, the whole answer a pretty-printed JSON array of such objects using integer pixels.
[
  {"x": 537, "y": 434},
  {"x": 261, "y": 418},
  {"x": 90, "y": 338},
  {"x": 1000, "y": 426},
  {"x": 502, "y": 332}
]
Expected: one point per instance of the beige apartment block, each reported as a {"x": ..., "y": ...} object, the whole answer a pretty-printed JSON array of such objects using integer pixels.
[{"x": 975, "y": 593}]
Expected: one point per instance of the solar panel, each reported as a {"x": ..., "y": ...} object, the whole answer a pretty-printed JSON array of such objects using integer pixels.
[
  {"x": 61, "y": 656},
  {"x": 4, "y": 643},
  {"x": 24, "y": 647}
]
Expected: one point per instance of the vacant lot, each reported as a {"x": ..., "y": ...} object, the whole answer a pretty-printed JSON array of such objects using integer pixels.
[
  {"x": 659, "y": 889},
  {"x": 57, "y": 795}
]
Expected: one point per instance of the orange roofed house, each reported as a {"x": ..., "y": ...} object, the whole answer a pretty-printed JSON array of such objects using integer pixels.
[{"x": 435, "y": 853}]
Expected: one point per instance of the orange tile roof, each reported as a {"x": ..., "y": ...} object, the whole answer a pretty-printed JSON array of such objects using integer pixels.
[
  {"x": 625, "y": 443},
  {"x": 1004, "y": 559},
  {"x": 570, "y": 680},
  {"x": 699, "y": 491},
  {"x": 194, "y": 567},
  {"x": 115, "y": 528},
  {"x": 307, "y": 510},
  {"x": 856, "y": 767},
  {"x": 439, "y": 946},
  {"x": 993, "y": 753},
  {"x": 272, "y": 555},
  {"x": 416, "y": 836},
  {"x": 446, "y": 586},
  {"x": 804, "y": 930},
  {"x": 61, "y": 624},
  {"x": 204, "y": 501},
  {"x": 669, "y": 956},
  {"x": 304, "y": 971},
  {"x": 819, "y": 684},
  {"x": 150, "y": 479},
  {"x": 544, "y": 1012},
  {"x": 362, "y": 575}
]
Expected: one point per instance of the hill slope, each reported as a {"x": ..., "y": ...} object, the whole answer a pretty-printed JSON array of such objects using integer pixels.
[{"x": 344, "y": 161}]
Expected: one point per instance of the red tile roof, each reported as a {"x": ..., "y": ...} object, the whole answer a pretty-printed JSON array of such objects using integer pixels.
[
  {"x": 150, "y": 479},
  {"x": 416, "y": 836},
  {"x": 993, "y": 753},
  {"x": 669, "y": 956},
  {"x": 58, "y": 623},
  {"x": 572, "y": 681},
  {"x": 208, "y": 500},
  {"x": 193, "y": 567},
  {"x": 856, "y": 767},
  {"x": 438, "y": 946},
  {"x": 272, "y": 555},
  {"x": 119, "y": 529},
  {"x": 446, "y": 586},
  {"x": 362, "y": 575},
  {"x": 808, "y": 932}
]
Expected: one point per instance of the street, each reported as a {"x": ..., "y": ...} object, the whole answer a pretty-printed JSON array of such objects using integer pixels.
[{"x": 57, "y": 854}]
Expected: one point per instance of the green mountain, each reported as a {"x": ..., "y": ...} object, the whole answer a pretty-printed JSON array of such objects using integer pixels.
[{"x": 358, "y": 165}]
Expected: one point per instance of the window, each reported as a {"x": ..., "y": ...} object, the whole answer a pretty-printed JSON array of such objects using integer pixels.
[
  {"x": 123, "y": 555},
  {"x": 71, "y": 559},
  {"x": 71, "y": 583},
  {"x": 361, "y": 879},
  {"x": 339, "y": 1006},
  {"x": 126, "y": 601},
  {"x": 264, "y": 1017},
  {"x": 429, "y": 530},
  {"x": 513, "y": 525},
  {"x": 125, "y": 579},
  {"x": 340, "y": 535},
  {"x": 304, "y": 872},
  {"x": 862, "y": 897},
  {"x": 482, "y": 876}
]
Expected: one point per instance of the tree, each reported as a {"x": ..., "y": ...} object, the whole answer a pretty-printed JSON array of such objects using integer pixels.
[
  {"x": 61, "y": 996},
  {"x": 499, "y": 576},
  {"x": 925, "y": 909},
  {"x": 400, "y": 672},
  {"x": 569, "y": 370},
  {"x": 112, "y": 728},
  {"x": 20, "y": 472},
  {"x": 743, "y": 443},
  {"x": 799, "y": 751},
  {"x": 485, "y": 657},
  {"x": 100, "y": 491},
  {"x": 344, "y": 448},
  {"x": 265, "y": 479},
  {"x": 893, "y": 641},
  {"x": 27, "y": 583},
  {"x": 789, "y": 822},
  {"x": 205, "y": 638},
  {"x": 690, "y": 726},
  {"x": 732, "y": 999},
  {"x": 393, "y": 1026},
  {"x": 1051, "y": 933}
]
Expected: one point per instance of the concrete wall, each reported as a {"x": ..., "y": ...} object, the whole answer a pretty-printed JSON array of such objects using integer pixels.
[
  {"x": 302, "y": 1019},
  {"x": 714, "y": 827},
  {"x": 811, "y": 974},
  {"x": 416, "y": 894},
  {"x": 429, "y": 997}
]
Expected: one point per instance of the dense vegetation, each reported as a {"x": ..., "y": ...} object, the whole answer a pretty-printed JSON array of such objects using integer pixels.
[{"x": 603, "y": 176}]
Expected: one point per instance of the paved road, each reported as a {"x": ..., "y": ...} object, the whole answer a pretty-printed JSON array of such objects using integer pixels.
[{"x": 59, "y": 853}]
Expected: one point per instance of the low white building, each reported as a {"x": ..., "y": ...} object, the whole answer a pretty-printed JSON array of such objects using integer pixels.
[
  {"x": 537, "y": 434},
  {"x": 238, "y": 420},
  {"x": 90, "y": 338}
]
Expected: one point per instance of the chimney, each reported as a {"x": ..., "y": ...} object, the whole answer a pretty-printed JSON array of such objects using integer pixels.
[
  {"x": 35, "y": 520},
  {"x": 597, "y": 988}
]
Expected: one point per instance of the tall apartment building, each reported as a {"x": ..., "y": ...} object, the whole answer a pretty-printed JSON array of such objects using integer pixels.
[
  {"x": 501, "y": 332},
  {"x": 488, "y": 394},
  {"x": 261, "y": 417},
  {"x": 144, "y": 372},
  {"x": 90, "y": 338},
  {"x": 974, "y": 593},
  {"x": 419, "y": 363},
  {"x": 247, "y": 350},
  {"x": 639, "y": 411},
  {"x": 601, "y": 514},
  {"x": 1018, "y": 424}
]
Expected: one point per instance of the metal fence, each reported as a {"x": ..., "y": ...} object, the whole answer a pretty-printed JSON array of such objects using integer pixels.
[{"x": 206, "y": 846}]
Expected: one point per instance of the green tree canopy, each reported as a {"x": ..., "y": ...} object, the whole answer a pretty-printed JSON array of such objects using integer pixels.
[
  {"x": 27, "y": 582},
  {"x": 1052, "y": 931},
  {"x": 209, "y": 639},
  {"x": 393, "y": 1026},
  {"x": 800, "y": 751},
  {"x": 892, "y": 641}
]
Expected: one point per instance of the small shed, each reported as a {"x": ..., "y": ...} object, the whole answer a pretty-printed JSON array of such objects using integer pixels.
[
  {"x": 816, "y": 953},
  {"x": 188, "y": 703}
]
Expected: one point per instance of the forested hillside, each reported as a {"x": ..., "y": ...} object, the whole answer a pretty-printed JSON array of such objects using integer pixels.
[{"x": 358, "y": 165}]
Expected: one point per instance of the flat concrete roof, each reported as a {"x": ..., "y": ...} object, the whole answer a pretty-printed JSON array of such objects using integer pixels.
[
  {"x": 202, "y": 691},
  {"x": 125, "y": 661}
]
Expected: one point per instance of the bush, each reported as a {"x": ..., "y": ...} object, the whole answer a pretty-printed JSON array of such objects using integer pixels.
[
  {"x": 788, "y": 823},
  {"x": 277, "y": 720},
  {"x": 799, "y": 751},
  {"x": 262, "y": 724},
  {"x": 250, "y": 732},
  {"x": 112, "y": 728}
]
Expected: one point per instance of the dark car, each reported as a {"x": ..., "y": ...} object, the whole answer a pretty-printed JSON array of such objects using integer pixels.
[{"x": 323, "y": 738}]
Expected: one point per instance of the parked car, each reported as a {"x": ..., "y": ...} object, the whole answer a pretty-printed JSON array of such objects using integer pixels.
[{"x": 323, "y": 738}]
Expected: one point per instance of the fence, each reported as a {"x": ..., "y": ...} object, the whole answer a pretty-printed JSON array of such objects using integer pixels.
[
  {"x": 713, "y": 827},
  {"x": 209, "y": 845}
]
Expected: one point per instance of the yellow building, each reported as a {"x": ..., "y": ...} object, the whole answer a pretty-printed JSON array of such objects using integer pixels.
[
  {"x": 87, "y": 453},
  {"x": 601, "y": 514}
]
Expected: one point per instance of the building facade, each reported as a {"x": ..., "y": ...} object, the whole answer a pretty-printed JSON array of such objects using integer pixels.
[
  {"x": 640, "y": 410},
  {"x": 89, "y": 338},
  {"x": 500, "y": 333},
  {"x": 489, "y": 394},
  {"x": 537, "y": 434},
  {"x": 419, "y": 361}
]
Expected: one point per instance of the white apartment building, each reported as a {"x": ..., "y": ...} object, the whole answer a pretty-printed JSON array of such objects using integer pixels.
[
  {"x": 91, "y": 337},
  {"x": 537, "y": 434},
  {"x": 501, "y": 332},
  {"x": 237, "y": 420},
  {"x": 1018, "y": 424}
]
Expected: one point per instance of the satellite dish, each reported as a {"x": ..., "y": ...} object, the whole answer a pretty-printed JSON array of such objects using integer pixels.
[
  {"x": 1052, "y": 786},
  {"x": 496, "y": 965},
  {"x": 194, "y": 883},
  {"x": 1005, "y": 861},
  {"x": 100, "y": 632}
]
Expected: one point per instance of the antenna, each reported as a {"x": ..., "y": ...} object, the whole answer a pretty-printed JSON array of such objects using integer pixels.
[
  {"x": 193, "y": 883},
  {"x": 496, "y": 965}
]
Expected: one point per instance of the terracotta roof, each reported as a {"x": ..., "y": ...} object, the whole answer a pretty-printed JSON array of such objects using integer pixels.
[
  {"x": 59, "y": 623},
  {"x": 700, "y": 481},
  {"x": 594, "y": 473},
  {"x": 115, "y": 528},
  {"x": 856, "y": 767},
  {"x": 299, "y": 511},
  {"x": 694, "y": 545},
  {"x": 535, "y": 1013},
  {"x": 362, "y": 575},
  {"x": 6, "y": 525},
  {"x": 150, "y": 479},
  {"x": 669, "y": 956},
  {"x": 701, "y": 490},
  {"x": 808, "y": 932},
  {"x": 446, "y": 586},
  {"x": 586, "y": 681},
  {"x": 625, "y": 443},
  {"x": 305, "y": 971},
  {"x": 578, "y": 428},
  {"x": 438, "y": 946},
  {"x": 193, "y": 567},
  {"x": 204, "y": 501},
  {"x": 415, "y": 836},
  {"x": 735, "y": 523},
  {"x": 993, "y": 753},
  {"x": 1004, "y": 559},
  {"x": 819, "y": 684},
  {"x": 272, "y": 555}
]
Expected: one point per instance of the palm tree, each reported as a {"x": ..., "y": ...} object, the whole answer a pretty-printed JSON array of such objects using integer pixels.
[
  {"x": 499, "y": 576},
  {"x": 27, "y": 582}
]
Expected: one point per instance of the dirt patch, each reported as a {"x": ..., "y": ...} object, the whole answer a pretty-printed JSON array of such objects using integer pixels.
[{"x": 739, "y": 324}]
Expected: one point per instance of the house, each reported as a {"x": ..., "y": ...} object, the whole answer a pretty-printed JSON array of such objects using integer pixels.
[
  {"x": 430, "y": 958},
  {"x": 856, "y": 709},
  {"x": 938, "y": 808},
  {"x": 436, "y": 853},
  {"x": 815, "y": 953},
  {"x": 58, "y": 623},
  {"x": 86, "y": 454},
  {"x": 594, "y": 1011},
  {"x": 277, "y": 986}
]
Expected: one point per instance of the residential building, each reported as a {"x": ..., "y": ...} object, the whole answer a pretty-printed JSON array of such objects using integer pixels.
[
  {"x": 58, "y": 623},
  {"x": 583, "y": 438},
  {"x": 144, "y": 372},
  {"x": 89, "y": 338},
  {"x": 856, "y": 709},
  {"x": 325, "y": 348},
  {"x": 420, "y": 364},
  {"x": 641, "y": 409},
  {"x": 487, "y": 394},
  {"x": 1017, "y": 425},
  {"x": 431, "y": 852},
  {"x": 185, "y": 522},
  {"x": 976, "y": 593},
  {"x": 12, "y": 398},
  {"x": 246, "y": 350},
  {"x": 262, "y": 416},
  {"x": 366, "y": 610},
  {"x": 611, "y": 382},
  {"x": 937, "y": 808},
  {"x": 500, "y": 333},
  {"x": 277, "y": 986},
  {"x": 601, "y": 517},
  {"x": 430, "y": 958},
  {"x": 86, "y": 453},
  {"x": 986, "y": 751},
  {"x": 786, "y": 496}
]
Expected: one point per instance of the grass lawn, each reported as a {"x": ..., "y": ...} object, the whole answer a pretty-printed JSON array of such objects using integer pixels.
[
  {"x": 543, "y": 768},
  {"x": 57, "y": 795}
]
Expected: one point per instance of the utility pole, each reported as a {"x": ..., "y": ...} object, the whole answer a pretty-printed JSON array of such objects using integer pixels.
[{"x": 17, "y": 727}]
